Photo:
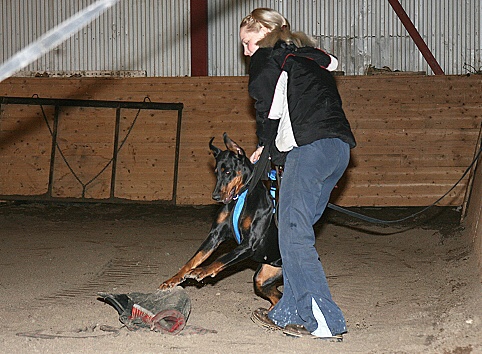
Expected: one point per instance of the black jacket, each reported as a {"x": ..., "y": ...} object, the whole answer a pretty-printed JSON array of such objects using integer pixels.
[{"x": 314, "y": 103}]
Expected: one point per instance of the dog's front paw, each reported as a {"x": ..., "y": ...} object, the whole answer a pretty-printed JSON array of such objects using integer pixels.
[{"x": 171, "y": 283}]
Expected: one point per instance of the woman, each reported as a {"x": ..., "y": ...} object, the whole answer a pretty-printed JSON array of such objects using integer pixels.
[{"x": 301, "y": 124}]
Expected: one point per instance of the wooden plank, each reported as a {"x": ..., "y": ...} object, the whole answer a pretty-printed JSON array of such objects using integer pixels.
[
  {"x": 395, "y": 201},
  {"x": 421, "y": 122},
  {"x": 414, "y": 136},
  {"x": 428, "y": 174}
]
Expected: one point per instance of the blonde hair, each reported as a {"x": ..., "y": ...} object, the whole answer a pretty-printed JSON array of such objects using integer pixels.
[{"x": 278, "y": 26}]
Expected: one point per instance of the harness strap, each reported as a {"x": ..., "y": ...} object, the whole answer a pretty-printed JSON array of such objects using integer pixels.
[{"x": 238, "y": 208}]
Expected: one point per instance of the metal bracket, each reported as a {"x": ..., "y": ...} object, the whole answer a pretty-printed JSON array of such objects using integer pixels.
[{"x": 118, "y": 105}]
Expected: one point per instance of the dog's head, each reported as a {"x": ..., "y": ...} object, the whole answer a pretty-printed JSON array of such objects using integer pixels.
[{"x": 232, "y": 170}]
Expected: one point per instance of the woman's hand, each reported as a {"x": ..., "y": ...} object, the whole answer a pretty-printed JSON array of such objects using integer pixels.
[{"x": 256, "y": 154}]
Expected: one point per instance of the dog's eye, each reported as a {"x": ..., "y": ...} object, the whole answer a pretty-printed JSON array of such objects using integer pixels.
[{"x": 225, "y": 171}]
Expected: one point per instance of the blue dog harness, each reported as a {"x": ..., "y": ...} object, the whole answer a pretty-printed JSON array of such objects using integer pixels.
[
  {"x": 241, "y": 199},
  {"x": 236, "y": 213}
]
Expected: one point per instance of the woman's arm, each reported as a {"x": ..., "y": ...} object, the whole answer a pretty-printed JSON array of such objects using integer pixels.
[{"x": 263, "y": 77}]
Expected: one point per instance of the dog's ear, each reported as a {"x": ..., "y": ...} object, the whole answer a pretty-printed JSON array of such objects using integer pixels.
[
  {"x": 232, "y": 146},
  {"x": 216, "y": 151}
]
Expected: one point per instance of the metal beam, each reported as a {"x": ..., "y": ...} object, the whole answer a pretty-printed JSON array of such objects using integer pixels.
[
  {"x": 63, "y": 102},
  {"x": 199, "y": 37},
  {"x": 422, "y": 46},
  {"x": 53, "y": 38}
]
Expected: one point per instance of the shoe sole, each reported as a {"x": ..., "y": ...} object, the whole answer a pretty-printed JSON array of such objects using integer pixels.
[
  {"x": 271, "y": 326},
  {"x": 300, "y": 335}
]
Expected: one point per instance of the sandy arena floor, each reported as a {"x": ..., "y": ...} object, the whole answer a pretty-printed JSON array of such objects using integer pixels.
[{"x": 403, "y": 290}]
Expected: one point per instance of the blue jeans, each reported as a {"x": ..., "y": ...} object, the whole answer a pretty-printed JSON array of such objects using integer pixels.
[{"x": 310, "y": 174}]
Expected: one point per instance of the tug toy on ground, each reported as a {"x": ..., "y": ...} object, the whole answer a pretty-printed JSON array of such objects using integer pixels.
[{"x": 164, "y": 311}]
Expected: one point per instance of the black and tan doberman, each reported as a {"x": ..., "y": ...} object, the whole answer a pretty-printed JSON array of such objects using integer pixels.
[{"x": 251, "y": 224}]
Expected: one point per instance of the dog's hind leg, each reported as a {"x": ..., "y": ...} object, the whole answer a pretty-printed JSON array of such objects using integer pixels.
[{"x": 266, "y": 281}]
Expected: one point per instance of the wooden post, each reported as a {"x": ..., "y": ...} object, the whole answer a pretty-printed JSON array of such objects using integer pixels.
[{"x": 471, "y": 177}]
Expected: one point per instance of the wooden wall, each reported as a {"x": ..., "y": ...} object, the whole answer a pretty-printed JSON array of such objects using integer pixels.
[{"x": 416, "y": 135}]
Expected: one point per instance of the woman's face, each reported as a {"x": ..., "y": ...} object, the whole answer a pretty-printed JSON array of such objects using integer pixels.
[{"x": 250, "y": 39}]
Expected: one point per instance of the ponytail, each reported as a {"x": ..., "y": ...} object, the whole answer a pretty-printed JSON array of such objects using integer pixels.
[{"x": 278, "y": 26}]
